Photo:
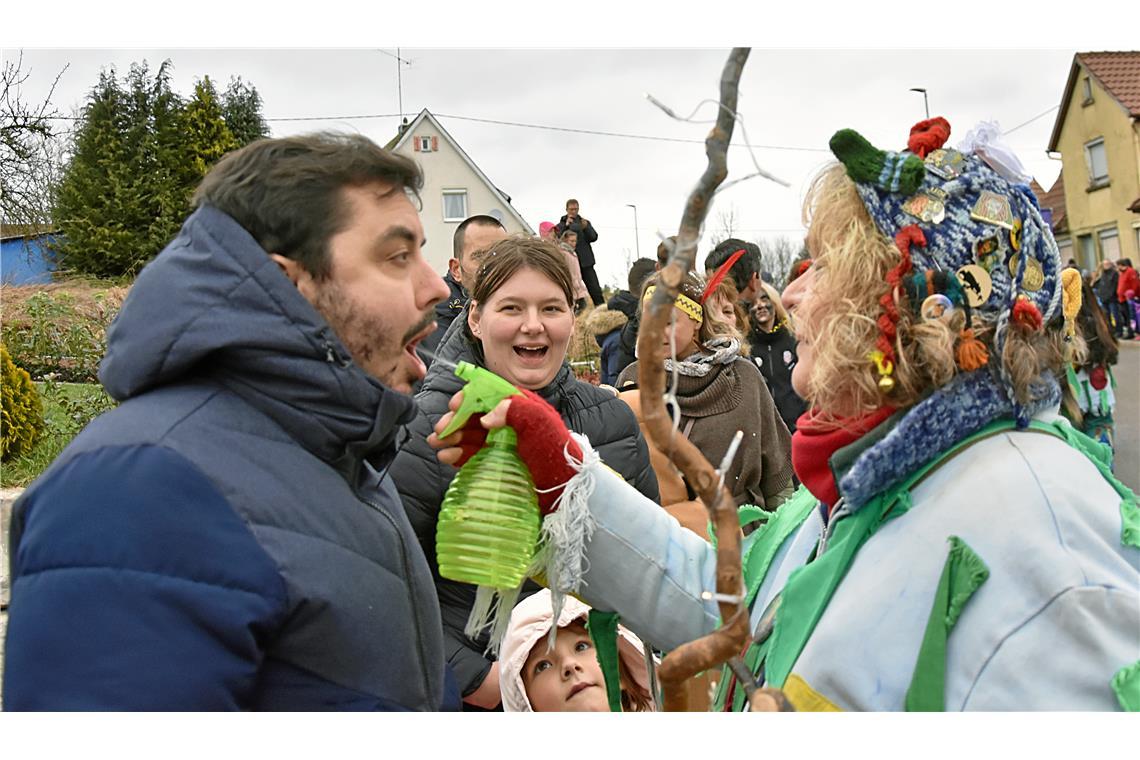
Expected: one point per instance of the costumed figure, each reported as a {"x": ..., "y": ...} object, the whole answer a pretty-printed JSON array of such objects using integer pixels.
[{"x": 957, "y": 544}]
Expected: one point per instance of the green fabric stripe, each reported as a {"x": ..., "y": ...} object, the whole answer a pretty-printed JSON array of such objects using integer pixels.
[
  {"x": 962, "y": 575},
  {"x": 761, "y": 546},
  {"x": 1129, "y": 523},
  {"x": 602, "y": 627},
  {"x": 1126, "y": 684}
]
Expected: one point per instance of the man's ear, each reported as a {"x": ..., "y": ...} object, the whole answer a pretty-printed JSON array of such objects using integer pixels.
[
  {"x": 456, "y": 271},
  {"x": 473, "y": 314},
  {"x": 754, "y": 282},
  {"x": 296, "y": 273}
]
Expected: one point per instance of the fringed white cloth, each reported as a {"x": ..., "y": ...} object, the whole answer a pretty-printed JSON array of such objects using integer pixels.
[
  {"x": 985, "y": 139},
  {"x": 562, "y": 554}
]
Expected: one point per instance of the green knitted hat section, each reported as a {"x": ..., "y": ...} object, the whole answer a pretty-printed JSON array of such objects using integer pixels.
[
  {"x": 894, "y": 172},
  {"x": 863, "y": 160},
  {"x": 602, "y": 627}
]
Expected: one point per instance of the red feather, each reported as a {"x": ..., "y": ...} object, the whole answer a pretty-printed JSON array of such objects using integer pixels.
[{"x": 720, "y": 274}]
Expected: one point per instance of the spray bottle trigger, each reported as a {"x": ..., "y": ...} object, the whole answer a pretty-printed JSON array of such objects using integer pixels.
[{"x": 482, "y": 393}]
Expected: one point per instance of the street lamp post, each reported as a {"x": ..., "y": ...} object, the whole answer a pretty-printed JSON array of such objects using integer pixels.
[
  {"x": 636, "y": 242},
  {"x": 924, "y": 101}
]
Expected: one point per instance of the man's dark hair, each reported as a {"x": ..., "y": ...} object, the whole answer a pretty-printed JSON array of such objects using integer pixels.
[
  {"x": 460, "y": 236},
  {"x": 742, "y": 271},
  {"x": 287, "y": 192},
  {"x": 1124, "y": 262},
  {"x": 640, "y": 270},
  {"x": 574, "y": 201}
]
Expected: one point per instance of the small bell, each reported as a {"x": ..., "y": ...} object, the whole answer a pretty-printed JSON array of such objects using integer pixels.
[{"x": 886, "y": 383}]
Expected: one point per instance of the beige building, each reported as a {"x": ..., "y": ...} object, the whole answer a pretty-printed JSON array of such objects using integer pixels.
[
  {"x": 454, "y": 187},
  {"x": 1097, "y": 133}
]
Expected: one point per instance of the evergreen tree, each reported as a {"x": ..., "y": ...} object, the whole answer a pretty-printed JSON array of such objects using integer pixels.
[
  {"x": 91, "y": 202},
  {"x": 241, "y": 108},
  {"x": 204, "y": 135}
]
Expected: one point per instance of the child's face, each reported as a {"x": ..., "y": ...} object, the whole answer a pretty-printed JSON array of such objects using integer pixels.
[{"x": 566, "y": 678}]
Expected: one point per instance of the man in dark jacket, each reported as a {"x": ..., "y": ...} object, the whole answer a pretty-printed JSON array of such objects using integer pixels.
[
  {"x": 473, "y": 235},
  {"x": 423, "y": 480},
  {"x": 586, "y": 235},
  {"x": 229, "y": 537},
  {"x": 1105, "y": 289}
]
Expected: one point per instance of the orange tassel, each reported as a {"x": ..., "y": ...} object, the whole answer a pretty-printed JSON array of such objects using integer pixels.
[{"x": 971, "y": 353}]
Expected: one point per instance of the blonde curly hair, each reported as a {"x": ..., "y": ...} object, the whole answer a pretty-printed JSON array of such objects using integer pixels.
[{"x": 840, "y": 322}]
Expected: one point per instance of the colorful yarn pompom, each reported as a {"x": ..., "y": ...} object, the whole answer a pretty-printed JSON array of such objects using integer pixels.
[
  {"x": 1026, "y": 315},
  {"x": 927, "y": 136},
  {"x": 894, "y": 172},
  {"x": 971, "y": 352}
]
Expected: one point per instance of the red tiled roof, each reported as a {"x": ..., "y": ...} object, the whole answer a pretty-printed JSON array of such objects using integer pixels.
[{"x": 1117, "y": 72}]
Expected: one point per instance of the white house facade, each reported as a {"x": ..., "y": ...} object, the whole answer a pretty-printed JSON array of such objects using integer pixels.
[{"x": 454, "y": 187}]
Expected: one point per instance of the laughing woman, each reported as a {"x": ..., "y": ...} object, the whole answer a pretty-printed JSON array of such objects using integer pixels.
[{"x": 518, "y": 325}]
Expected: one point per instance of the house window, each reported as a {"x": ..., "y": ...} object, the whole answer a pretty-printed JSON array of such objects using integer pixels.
[
  {"x": 1088, "y": 250},
  {"x": 1065, "y": 247},
  {"x": 426, "y": 144},
  {"x": 1086, "y": 91},
  {"x": 1097, "y": 163},
  {"x": 454, "y": 205},
  {"x": 1109, "y": 244}
]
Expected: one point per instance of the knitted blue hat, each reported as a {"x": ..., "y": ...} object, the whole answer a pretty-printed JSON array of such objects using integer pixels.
[{"x": 974, "y": 212}]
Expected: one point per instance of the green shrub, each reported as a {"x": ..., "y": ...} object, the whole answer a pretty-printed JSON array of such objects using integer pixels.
[{"x": 21, "y": 411}]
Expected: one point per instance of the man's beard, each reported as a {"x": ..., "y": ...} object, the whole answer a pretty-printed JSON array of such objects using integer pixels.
[{"x": 368, "y": 337}]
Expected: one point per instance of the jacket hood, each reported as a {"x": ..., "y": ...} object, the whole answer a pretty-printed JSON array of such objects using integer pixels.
[
  {"x": 530, "y": 623},
  {"x": 213, "y": 306},
  {"x": 625, "y": 302},
  {"x": 603, "y": 320}
]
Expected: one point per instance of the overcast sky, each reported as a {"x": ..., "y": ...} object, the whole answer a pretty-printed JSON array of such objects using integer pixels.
[{"x": 791, "y": 102}]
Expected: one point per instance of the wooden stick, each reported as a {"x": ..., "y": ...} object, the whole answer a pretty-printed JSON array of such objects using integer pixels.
[{"x": 727, "y": 641}]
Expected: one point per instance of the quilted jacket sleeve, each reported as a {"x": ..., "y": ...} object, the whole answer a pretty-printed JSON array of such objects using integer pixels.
[{"x": 135, "y": 586}]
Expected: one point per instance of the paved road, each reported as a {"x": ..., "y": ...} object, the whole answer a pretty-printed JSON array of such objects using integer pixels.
[{"x": 1127, "y": 415}]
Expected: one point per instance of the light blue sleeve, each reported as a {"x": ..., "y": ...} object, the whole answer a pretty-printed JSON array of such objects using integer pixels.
[{"x": 643, "y": 565}]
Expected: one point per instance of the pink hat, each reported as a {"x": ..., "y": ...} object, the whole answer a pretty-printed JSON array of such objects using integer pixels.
[{"x": 545, "y": 227}]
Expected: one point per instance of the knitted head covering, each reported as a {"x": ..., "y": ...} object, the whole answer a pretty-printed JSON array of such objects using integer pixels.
[{"x": 964, "y": 219}]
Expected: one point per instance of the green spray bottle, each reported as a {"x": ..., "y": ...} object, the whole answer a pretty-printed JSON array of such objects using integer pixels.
[{"x": 489, "y": 521}]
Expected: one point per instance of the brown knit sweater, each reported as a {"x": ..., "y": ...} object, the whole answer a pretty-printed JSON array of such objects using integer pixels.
[{"x": 730, "y": 397}]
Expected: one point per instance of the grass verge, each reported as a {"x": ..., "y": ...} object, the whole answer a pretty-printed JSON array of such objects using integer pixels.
[{"x": 68, "y": 407}]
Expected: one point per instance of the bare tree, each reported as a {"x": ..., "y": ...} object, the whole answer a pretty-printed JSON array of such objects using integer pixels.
[
  {"x": 29, "y": 150},
  {"x": 778, "y": 254},
  {"x": 727, "y": 220}
]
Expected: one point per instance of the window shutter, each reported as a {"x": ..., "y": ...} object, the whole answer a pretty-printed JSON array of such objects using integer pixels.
[
  {"x": 416, "y": 144},
  {"x": 434, "y": 143}
]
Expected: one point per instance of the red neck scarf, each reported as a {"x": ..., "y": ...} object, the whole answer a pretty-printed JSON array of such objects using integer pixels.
[{"x": 813, "y": 444}]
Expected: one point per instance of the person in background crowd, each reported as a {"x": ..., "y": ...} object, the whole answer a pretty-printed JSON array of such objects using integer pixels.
[
  {"x": 724, "y": 300},
  {"x": 568, "y": 244},
  {"x": 228, "y": 537},
  {"x": 798, "y": 268},
  {"x": 473, "y": 235},
  {"x": 614, "y": 326},
  {"x": 1089, "y": 393},
  {"x": 719, "y": 392},
  {"x": 774, "y": 351},
  {"x": 1104, "y": 285},
  {"x": 566, "y": 677},
  {"x": 587, "y": 235},
  {"x": 518, "y": 325},
  {"x": 1126, "y": 290},
  {"x": 745, "y": 272}
]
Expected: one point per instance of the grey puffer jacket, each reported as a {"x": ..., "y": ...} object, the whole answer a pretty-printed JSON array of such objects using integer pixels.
[
  {"x": 422, "y": 480},
  {"x": 229, "y": 536}
]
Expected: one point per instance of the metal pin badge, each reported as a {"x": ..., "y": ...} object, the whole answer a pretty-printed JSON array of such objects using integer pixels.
[
  {"x": 976, "y": 283},
  {"x": 934, "y": 306}
]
